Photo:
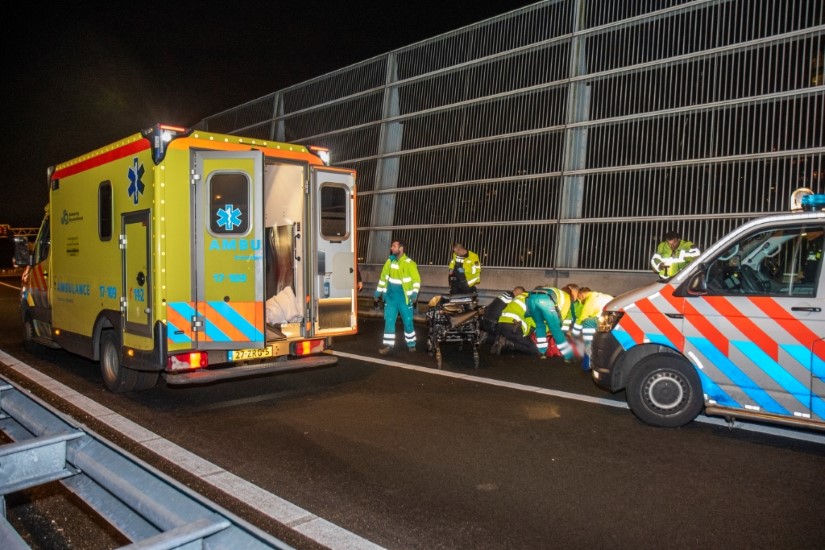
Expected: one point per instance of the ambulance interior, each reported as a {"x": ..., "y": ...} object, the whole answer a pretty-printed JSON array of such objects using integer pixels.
[
  {"x": 785, "y": 261},
  {"x": 283, "y": 218}
]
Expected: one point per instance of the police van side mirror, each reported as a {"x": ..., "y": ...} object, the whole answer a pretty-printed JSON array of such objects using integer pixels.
[
  {"x": 698, "y": 284},
  {"x": 22, "y": 254}
]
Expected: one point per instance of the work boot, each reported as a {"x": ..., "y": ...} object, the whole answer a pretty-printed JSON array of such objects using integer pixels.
[
  {"x": 411, "y": 349},
  {"x": 497, "y": 346},
  {"x": 385, "y": 350}
]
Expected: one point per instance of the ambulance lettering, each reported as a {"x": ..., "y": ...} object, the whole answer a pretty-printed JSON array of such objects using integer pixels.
[
  {"x": 79, "y": 289},
  {"x": 235, "y": 244}
]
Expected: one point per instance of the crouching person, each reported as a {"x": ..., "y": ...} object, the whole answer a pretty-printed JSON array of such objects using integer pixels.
[
  {"x": 514, "y": 327},
  {"x": 549, "y": 306},
  {"x": 592, "y": 304}
]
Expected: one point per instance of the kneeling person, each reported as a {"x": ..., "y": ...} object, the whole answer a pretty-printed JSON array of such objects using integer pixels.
[{"x": 514, "y": 327}]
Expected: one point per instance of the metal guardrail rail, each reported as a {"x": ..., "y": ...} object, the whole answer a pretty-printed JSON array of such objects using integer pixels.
[{"x": 147, "y": 507}]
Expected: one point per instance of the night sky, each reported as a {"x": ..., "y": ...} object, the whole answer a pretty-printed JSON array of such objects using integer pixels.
[{"x": 80, "y": 75}]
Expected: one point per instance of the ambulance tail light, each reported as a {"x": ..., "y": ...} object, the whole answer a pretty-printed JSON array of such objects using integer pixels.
[
  {"x": 307, "y": 347},
  {"x": 187, "y": 361},
  {"x": 608, "y": 320}
]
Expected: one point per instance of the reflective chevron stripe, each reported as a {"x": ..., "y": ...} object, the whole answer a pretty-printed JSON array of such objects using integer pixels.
[{"x": 222, "y": 322}]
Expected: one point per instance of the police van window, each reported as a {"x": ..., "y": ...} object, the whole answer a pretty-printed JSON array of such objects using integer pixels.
[
  {"x": 104, "y": 211},
  {"x": 783, "y": 261},
  {"x": 229, "y": 203},
  {"x": 334, "y": 203}
]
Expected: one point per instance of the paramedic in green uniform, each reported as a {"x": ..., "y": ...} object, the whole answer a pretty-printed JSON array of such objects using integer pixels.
[{"x": 398, "y": 286}]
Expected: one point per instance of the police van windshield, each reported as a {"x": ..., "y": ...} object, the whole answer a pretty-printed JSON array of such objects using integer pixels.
[{"x": 778, "y": 262}]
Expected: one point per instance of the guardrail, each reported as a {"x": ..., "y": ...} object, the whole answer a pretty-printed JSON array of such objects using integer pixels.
[{"x": 147, "y": 507}]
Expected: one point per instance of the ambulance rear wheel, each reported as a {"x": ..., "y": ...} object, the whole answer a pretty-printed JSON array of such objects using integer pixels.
[
  {"x": 146, "y": 380},
  {"x": 116, "y": 377},
  {"x": 664, "y": 390}
]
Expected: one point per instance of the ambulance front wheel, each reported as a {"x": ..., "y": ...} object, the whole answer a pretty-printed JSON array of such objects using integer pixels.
[
  {"x": 28, "y": 336},
  {"x": 664, "y": 390}
]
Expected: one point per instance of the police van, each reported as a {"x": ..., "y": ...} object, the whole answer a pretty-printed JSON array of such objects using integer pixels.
[{"x": 739, "y": 333}]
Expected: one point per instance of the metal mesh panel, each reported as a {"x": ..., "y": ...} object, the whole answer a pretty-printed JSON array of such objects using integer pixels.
[
  {"x": 525, "y": 246},
  {"x": 531, "y": 25},
  {"x": 249, "y": 115},
  {"x": 501, "y": 158},
  {"x": 334, "y": 86},
  {"x": 359, "y": 110},
  {"x": 572, "y": 132},
  {"x": 500, "y": 75}
]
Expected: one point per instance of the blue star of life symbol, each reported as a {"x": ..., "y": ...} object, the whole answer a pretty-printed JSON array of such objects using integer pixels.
[
  {"x": 229, "y": 217},
  {"x": 136, "y": 185}
]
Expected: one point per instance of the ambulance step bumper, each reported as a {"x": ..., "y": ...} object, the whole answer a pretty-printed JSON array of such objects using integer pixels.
[{"x": 243, "y": 371}]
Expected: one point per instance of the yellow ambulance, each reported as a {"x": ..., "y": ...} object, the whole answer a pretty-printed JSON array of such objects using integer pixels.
[{"x": 193, "y": 256}]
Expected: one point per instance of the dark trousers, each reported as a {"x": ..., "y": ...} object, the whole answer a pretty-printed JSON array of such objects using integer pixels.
[{"x": 513, "y": 334}]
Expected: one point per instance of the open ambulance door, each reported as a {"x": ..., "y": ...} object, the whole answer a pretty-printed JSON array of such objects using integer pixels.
[
  {"x": 227, "y": 241},
  {"x": 332, "y": 206}
]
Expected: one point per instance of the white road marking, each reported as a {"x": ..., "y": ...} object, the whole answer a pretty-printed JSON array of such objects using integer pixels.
[
  {"x": 738, "y": 424},
  {"x": 302, "y": 521},
  {"x": 488, "y": 381},
  {"x": 10, "y": 286}
]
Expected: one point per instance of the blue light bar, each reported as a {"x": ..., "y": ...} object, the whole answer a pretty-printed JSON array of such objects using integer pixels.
[{"x": 813, "y": 202}]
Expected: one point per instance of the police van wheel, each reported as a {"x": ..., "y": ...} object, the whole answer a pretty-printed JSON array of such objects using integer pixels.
[
  {"x": 116, "y": 377},
  {"x": 664, "y": 390}
]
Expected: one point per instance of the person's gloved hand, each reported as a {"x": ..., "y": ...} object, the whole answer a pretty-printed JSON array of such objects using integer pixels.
[
  {"x": 414, "y": 297},
  {"x": 377, "y": 295}
]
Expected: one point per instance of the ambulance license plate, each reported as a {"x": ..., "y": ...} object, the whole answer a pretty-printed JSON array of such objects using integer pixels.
[{"x": 245, "y": 354}]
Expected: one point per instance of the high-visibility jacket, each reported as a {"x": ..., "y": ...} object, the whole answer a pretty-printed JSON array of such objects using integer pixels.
[
  {"x": 593, "y": 305},
  {"x": 471, "y": 266},
  {"x": 564, "y": 304},
  {"x": 668, "y": 262},
  {"x": 400, "y": 271},
  {"x": 516, "y": 312}
]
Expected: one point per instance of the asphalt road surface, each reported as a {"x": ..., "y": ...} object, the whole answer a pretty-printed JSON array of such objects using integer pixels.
[{"x": 521, "y": 453}]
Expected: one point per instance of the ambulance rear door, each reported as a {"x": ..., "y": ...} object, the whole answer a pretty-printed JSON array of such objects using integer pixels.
[
  {"x": 332, "y": 205},
  {"x": 755, "y": 329},
  {"x": 227, "y": 238}
]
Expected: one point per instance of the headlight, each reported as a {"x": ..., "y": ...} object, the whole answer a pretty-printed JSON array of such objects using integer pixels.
[{"x": 608, "y": 320}]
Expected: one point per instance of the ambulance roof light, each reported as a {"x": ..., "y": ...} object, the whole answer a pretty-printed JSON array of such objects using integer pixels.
[{"x": 322, "y": 152}]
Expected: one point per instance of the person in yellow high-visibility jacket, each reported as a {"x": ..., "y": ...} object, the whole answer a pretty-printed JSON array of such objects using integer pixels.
[
  {"x": 591, "y": 306},
  {"x": 398, "y": 285},
  {"x": 672, "y": 255},
  {"x": 465, "y": 270},
  {"x": 515, "y": 326}
]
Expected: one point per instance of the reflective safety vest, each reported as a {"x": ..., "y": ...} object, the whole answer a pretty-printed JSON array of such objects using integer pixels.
[
  {"x": 593, "y": 305},
  {"x": 668, "y": 262},
  {"x": 516, "y": 311},
  {"x": 471, "y": 266},
  {"x": 401, "y": 271}
]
